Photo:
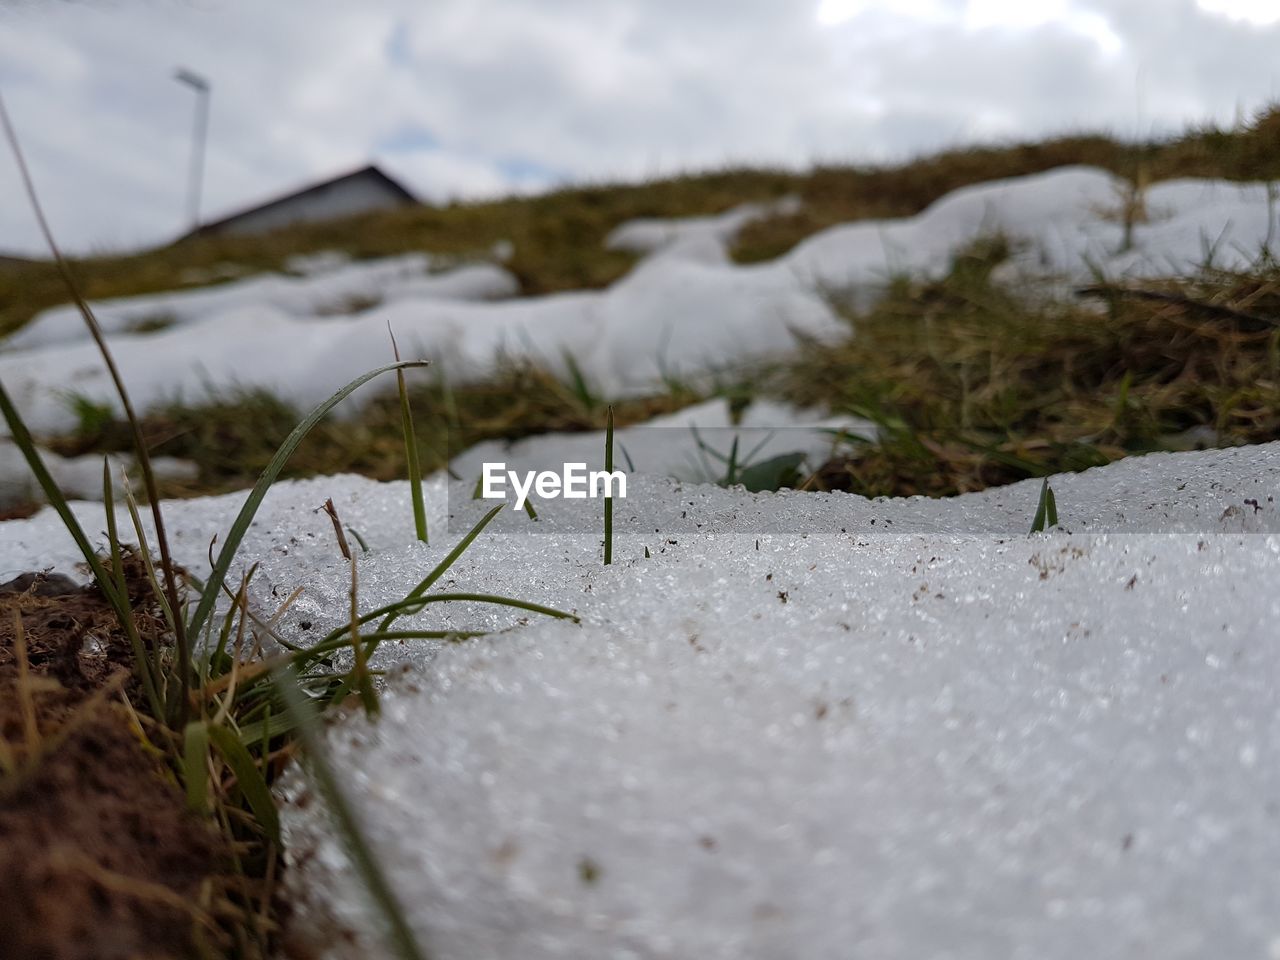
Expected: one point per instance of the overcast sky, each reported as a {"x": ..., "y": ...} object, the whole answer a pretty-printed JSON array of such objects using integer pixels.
[{"x": 467, "y": 98}]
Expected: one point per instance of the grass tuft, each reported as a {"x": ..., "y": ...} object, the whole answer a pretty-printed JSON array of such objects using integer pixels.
[
  {"x": 228, "y": 713},
  {"x": 971, "y": 384}
]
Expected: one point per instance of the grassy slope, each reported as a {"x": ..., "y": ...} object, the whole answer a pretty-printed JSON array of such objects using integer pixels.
[
  {"x": 558, "y": 237},
  {"x": 972, "y": 386},
  {"x": 558, "y": 240}
]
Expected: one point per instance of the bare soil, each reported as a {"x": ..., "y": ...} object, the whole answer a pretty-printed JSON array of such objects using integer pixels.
[{"x": 99, "y": 857}]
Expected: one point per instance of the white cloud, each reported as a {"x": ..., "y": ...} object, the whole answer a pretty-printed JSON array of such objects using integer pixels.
[
  {"x": 472, "y": 97},
  {"x": 1254, "y": 11}
]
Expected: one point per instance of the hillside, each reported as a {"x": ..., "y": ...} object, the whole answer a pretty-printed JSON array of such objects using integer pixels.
[
  {"x": 966, "y": 381},
  {"x": 762, "y": 701},
  {"x": 558, "y": 238}
]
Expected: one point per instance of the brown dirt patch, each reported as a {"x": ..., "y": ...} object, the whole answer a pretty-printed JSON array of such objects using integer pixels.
[{"x": 99, "y": 857}]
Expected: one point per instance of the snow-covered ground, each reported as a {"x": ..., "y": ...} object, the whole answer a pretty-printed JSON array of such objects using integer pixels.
[
  {"x": 805, "y": 725},
  {"x": 76, "y": 477},
  {"x": 685, "y": 236},
  {"x": 684, "y": 308},
  {"x": 326, "y": 286}
]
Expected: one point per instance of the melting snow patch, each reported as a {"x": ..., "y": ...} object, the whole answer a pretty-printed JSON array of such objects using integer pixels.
[
  {"x": 327, "y": 285},
  {"x": 652, "y": 235},
  {"x": 75, "y": 476}
]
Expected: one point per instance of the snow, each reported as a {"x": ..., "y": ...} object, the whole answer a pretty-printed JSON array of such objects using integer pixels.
[
  {"x": 683, "y": 235},
  {"x": 326, "y": 284},
  {"x": 806, "y": 725},
  {"x": 79, "y": 477},
  {"x": 684, "y": 310},
  {"x": 1065, "y": 223},
  {"x": 611, "y": 335}
]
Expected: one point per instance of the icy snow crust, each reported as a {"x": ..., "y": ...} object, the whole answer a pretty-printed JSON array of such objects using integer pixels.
[
  {"x": 951, "y": 740},
  {"x": 684, "y": 309}
]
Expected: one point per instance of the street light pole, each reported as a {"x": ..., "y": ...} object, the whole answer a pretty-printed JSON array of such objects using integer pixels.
[{"x": 201, "y": 86}]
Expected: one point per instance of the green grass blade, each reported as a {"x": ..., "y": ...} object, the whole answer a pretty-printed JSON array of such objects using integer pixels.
[
  {"x": 340, "y": 637},
  {"x": 608, "y": 498},
  {"x": 1037, "y": 523},
  {"x": 494, "y": 599},
  {"x": 148, "y": 672},
  {"x": 578, "y": 385},
  {"x": 450, "y": 404},
  {"x": 170, "y": 617},
  {"x": 249, "y": 778},
  {"x": 631, "y": 467},
  {"x": 113, "y": 534},
  {"x": 195, "y": 766},
  {"x": 355, "y": 534},
  {"x": 451, "y": 635},
  {"x": 731, "y": 474},
  {"x": 219, "y": 656},
  {"x": 240, "y": 526},
  {"x": 135, "y": 426},
  {"x": 1051, "y": 506},
  {"x": 215, "y": 662},
  {"x": 439, "y": 571},
  {"x": 22, "y": 437},
  {"x": 1122, "y": 401},
  {"x": 303, "y": 713},
  {"x": 410, "y": 449}
]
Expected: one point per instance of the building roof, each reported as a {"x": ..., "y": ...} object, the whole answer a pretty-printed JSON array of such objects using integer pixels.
[{"x": 371, "y": 170}]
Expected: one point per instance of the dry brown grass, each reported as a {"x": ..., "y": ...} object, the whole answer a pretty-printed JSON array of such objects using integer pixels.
[
  {"x": 973, "y": 387},
  {"x": 558, "y": 237}
]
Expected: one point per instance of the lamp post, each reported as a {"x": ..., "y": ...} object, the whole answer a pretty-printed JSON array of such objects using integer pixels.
[{"x": 201, "y": 86}]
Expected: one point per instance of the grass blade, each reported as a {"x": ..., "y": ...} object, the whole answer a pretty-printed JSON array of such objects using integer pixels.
[
  {"x": 248, "y": 778},
  {"x": 170, "y": 617},
  {"x": 148, "y": 672},
  {"x": 302, "y": 713},
  {"x": 608, "y": 498},
  {"x": 22, "y": 437},
  {"x": 410, "y": 605},
  {"x": 731, "y": 474},
  {"x": 439, "y": 571},
  {"x": 135, "y": 426},
  {"x": 195, "y": 765},
  {"x": 410, "y": 449},
  {"x": 1043, "y": 508}
]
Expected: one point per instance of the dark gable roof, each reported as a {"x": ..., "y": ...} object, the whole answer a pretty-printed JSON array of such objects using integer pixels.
[{"x": 371, "y": 170}]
